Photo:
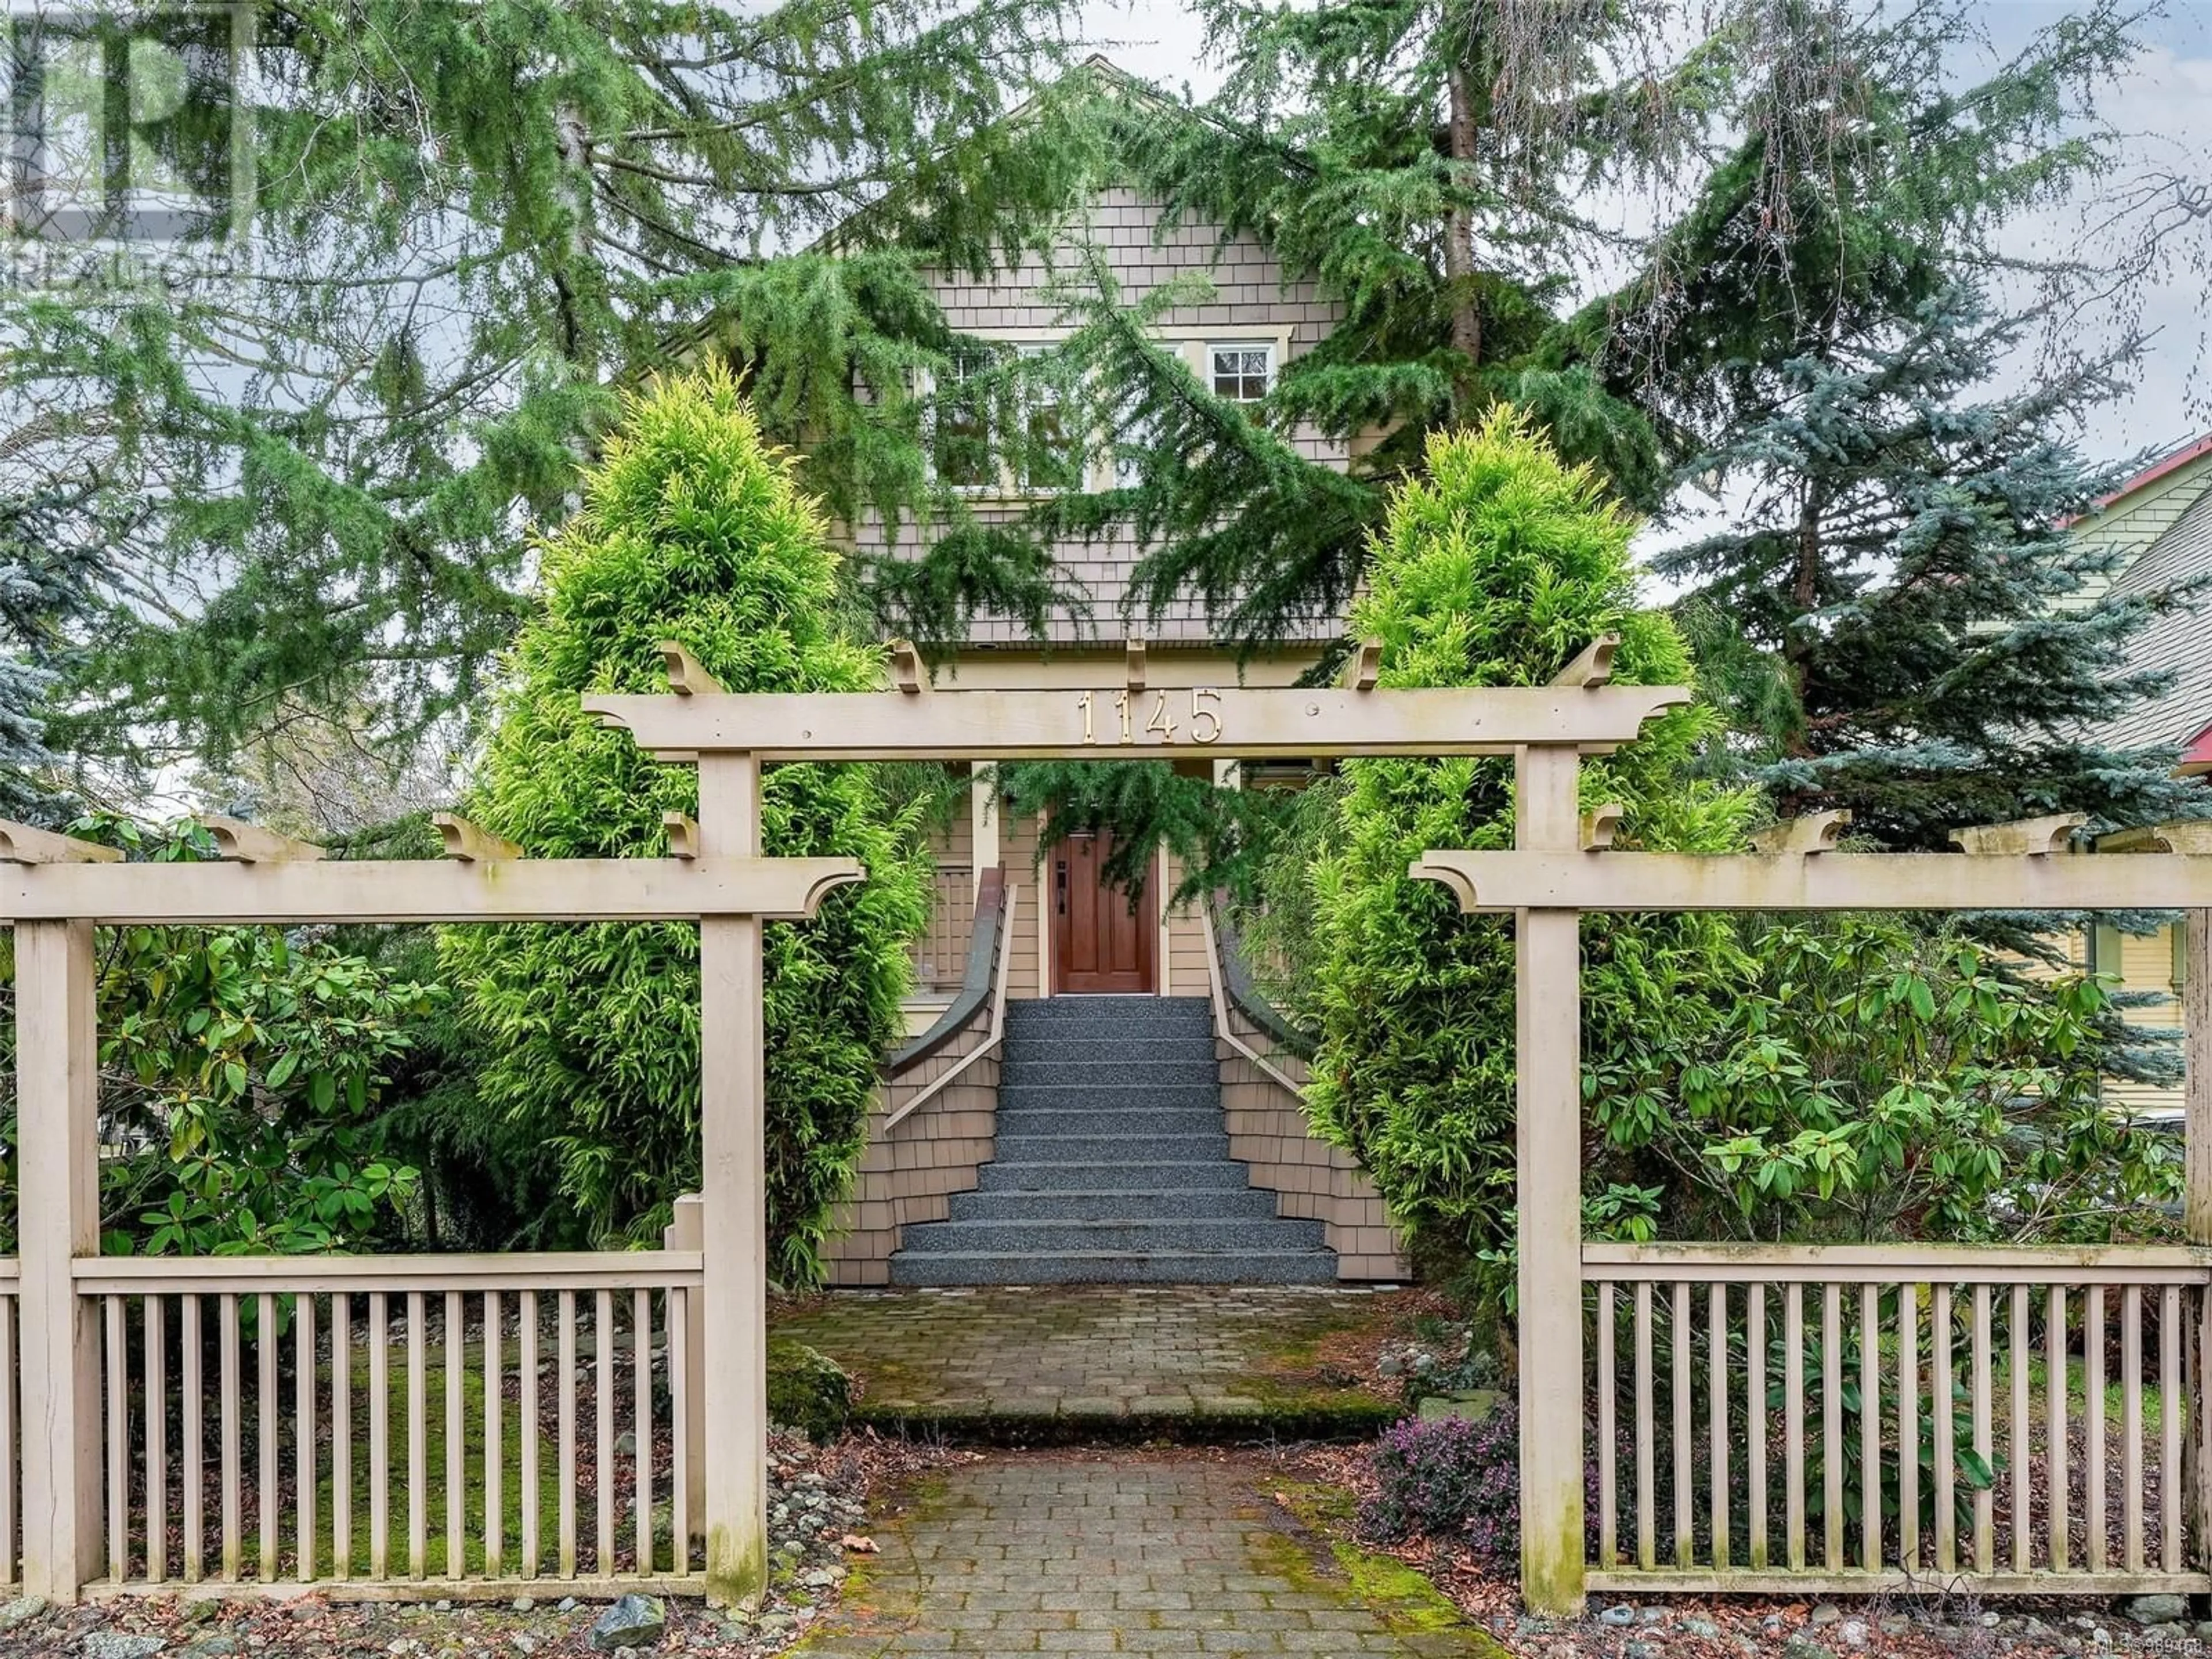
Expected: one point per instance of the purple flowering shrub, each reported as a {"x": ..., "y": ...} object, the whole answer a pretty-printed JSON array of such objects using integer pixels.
[{"x": 1450, "y": 1479}]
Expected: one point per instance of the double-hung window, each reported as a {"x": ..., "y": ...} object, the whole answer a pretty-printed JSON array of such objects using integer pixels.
[
  {"x": 1053, "y": 444},
  {"x": 960, "y": 449}
]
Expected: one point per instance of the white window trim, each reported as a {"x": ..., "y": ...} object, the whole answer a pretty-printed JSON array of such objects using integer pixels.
[{"x": 1256, "y": 343}]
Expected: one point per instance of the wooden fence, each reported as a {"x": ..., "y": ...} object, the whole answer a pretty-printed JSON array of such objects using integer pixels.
[
  {"x": 490, "y": 1422},
  {"x": 1794, "y": 1418}
]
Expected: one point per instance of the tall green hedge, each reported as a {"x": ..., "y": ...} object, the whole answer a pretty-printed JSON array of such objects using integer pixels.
[
  {"x": 692, "y": 530},
  {"x": 1494, "y": 569}
]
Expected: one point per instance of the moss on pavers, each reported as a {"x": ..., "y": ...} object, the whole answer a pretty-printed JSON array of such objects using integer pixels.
[
  {"x": 1120, "y": 1364},
  {"x": 1163, "y": 1553},
  {"x": 1405, "y": 1600}
]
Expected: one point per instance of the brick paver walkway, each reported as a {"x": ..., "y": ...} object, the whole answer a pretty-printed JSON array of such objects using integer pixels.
[
  {"x": 1087, "y": 1357},
  {"x": 1031, "y": 1553}
]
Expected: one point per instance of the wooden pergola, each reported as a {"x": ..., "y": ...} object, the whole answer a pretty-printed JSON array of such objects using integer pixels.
[{"x": 58, "y": 889}]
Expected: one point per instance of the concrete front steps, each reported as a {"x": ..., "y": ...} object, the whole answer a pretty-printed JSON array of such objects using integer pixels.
[{"x": 1111, "y": 1164}]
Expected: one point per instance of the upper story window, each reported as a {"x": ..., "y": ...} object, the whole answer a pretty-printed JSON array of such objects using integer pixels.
[
  {"x": 1242, "y": 371},
  {"x": 960, "y": 439},
  {"x": 1054, "y": 455},
  {"x": 988, "y": 436}
]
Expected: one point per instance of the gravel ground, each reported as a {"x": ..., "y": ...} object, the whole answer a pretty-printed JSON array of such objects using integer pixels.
[{"x": 817, "y": 1522}]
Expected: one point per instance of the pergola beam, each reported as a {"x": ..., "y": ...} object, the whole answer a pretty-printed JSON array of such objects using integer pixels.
[
  {"x": 1114, "y": 722},
  {"x": 1830, "y": 881},
  {"x": 370, "y": 891}
]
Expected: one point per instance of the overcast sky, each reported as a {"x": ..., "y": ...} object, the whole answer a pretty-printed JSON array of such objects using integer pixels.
[{"x": 2165, "y": 104}]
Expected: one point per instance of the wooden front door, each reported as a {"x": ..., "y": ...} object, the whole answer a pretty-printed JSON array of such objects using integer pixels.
[{"x": 1100, "y": 941}]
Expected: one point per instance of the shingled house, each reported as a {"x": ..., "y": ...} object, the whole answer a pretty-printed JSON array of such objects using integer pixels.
[
  {"x": 1094, "y": 1091},
  {"x": 2160, "y": 521}
]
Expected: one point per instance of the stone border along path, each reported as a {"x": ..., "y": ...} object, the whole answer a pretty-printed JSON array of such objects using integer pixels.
[
  {"x": 1067, "y": 1364},
  {"x": 1046, "y": 1553}
]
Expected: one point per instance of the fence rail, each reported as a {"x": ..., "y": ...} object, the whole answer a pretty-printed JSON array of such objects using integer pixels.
[
  {"x": 1909, "y": 1415},
  {"x": 533, "y": 1409}
]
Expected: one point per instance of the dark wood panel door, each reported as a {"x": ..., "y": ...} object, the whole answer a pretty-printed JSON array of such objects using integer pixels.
[{"x": 1100, "y": 941}]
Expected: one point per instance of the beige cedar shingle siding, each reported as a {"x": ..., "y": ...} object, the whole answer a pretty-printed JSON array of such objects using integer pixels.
[{"x": 1251, "y": 303}]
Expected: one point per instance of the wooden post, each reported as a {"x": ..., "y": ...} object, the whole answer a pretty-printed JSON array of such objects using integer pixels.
[
  {"x": 2197, "y": 1204},
  {"x": 984, "y": 820},
  {"x": 1547, "y": 1109},
  {"x": 58, "y": 1220},
  {"x": 734, "y": 1177},
  {"x": 687, "y": 1232}
]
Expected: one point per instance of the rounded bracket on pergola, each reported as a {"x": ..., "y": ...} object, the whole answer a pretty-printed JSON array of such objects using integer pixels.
[{"x": 1815, "y": 832}]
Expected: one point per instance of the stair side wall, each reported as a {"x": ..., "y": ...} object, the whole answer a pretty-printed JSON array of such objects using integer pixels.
[
  {"x": 1311, "y": 1179},
  {"x": 910, "y": 1171}
]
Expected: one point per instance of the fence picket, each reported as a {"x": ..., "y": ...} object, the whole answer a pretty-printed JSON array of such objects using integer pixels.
[
  {"x": 528, "y": 1455},
  {"x": 1678, "y": 1332},
  {"x": 2171, "y": 1477},
  {"x": 341, "y": 1435},
  {"x": 1647, "y": 1548},
  {"x": 1941, "y": 1395},
  {"x": 565, "y": 1490},
  {"x": 265, "y": 1429},
  {"x": 1608, "y": 1432},
  {"x": 1718, "y": 1405},
  {"x": 494, "y": 1473},
  {"x": 192, "y": 1442},
  {"x": 603, "y": 1420},
  {"x": 1755, "y": 1420},
  {"x": 234, "y": 1530},
  {"x": 379, "y": 1436},
  {"x": 680, "y": 1359},
  {"x": 1985, "y": 1496},
  {"x": 1908, "y": 1424},
  {"x": 1870, "y": 1427},
  {"x": 2018, "y": 1337},
  {"x": 2132, "y": 1508},
  {"x": 641, "y": 1328},
  {"x": 1831, "y": 1425},
  {"x": 418, "y": 1449},
  {"x": 153, "y": 1316},
  {"x": 2093, "y": 1437},
  {"x": 1793, "y": 1445},
  {"x": 2055, "y": 1430},
  {"x": 303, "y": 1437},
  {"x": 118, "y": 1443},
  {"x": 457, "y": 1440}
]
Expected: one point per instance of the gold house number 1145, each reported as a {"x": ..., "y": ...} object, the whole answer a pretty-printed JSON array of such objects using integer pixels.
[{"x": 1205, "y": 716}]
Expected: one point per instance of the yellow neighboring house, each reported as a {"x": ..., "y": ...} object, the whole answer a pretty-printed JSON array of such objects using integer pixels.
[{"x": 2161, "y": 521}]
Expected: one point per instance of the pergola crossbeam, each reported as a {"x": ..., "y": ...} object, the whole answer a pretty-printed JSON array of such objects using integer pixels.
[
  {"x": 1115, "y": 722},
  {"x": 1832, "y": 881},
  {"x": 372, "y": 890}
]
